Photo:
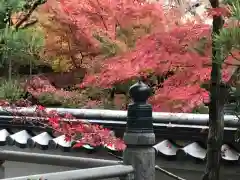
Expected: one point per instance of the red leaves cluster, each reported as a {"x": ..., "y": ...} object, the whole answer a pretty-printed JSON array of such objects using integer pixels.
[
  {"x": 170, "y": 49},
  {"x": 170, "y": 46},
  {"x": 103, "y": 16},
  {"x": 18, "y": 103},
  {"x": 220, "y": 11},
  {"x": 88, "y": 18},
  {"x": 79, "y": 131},
  {"x": 37, "y": 85},
  {"x": 160, "y": 53}
]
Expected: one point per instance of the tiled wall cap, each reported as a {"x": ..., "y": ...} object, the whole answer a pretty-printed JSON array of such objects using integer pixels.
[
  {"x": 41, "y": 139},
  {"x": 166, "y": 147}
]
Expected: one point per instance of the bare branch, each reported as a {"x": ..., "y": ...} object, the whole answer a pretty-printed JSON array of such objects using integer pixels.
[
  {"x": 32, "y": 22},
  {"x": 35, "y": 4},
  {"x": 231, "y": 64},
  {"x": 234, "y": 56}
]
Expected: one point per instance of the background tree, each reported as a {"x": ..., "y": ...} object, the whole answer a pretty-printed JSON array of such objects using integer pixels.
[
  {"x": 216, "y": 116},
  {"x": 225, "y": 42},
  {"x": 175, "y": 61},
  {"x": 20, "y": 43}
]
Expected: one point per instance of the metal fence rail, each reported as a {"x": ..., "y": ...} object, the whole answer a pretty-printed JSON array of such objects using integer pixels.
[
  {"x": 115, "y": 115},
  {"x": 57, "y": 160},
  {"x": 83, "y": 174}
]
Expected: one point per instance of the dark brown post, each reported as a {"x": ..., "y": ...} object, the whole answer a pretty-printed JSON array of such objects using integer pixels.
[{"x": 139, "y": 136}]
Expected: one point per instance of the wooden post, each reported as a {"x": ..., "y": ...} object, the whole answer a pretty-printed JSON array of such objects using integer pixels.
[{"x": 139, "y": 136}]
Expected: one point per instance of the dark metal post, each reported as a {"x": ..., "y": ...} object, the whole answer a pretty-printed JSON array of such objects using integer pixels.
[{"x": 139, "y": 136}]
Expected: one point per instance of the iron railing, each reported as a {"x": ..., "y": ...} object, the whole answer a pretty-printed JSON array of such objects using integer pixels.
[
  {"x": 83, "y": 174},
  {"x": 57, "y": 160},
  {"x": 101, "y": 115}
]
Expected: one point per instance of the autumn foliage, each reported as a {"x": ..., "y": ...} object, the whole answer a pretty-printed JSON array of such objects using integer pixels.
[
  {"x": 82, "y": 132},
  {"x": 94, "y": 29},
  {"x": 162, "y": 44},
  {"x": 115, "y": 42},
  {"x": 118, "y": 41},
  {"x": 78, "y": 132}
]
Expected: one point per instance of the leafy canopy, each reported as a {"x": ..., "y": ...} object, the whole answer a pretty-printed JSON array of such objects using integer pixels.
[
  {"x": 131, "y": 39},
  {"x": 18, "y": 45},
  {"x": 179, "y": 48},
  {"x": 229, "y": 37}
]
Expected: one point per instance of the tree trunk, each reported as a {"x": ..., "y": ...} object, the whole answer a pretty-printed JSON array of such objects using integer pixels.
[
  {"x": 10, "y": 70},
  {"x": 216, "y": 117}
]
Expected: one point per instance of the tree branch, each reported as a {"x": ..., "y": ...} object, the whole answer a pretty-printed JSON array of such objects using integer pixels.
[
  {"x": 26, "y": 25},
  {"x": 35, "y": 4},
  {"x": 234, "y": 56},
  {"x": 231, "y": 64},
  {"x": 216, "y": 118}
]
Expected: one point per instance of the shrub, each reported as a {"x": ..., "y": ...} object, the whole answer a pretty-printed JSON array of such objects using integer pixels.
[{"x": 11, "y": 90}]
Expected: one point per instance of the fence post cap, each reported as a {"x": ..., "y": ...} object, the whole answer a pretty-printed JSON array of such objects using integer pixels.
[{"x": 140, "y": 92}]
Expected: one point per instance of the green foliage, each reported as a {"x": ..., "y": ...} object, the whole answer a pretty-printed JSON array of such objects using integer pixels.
[
  {"x": 12, "y": 5},
  {"x": 108, "y": 48},
  {"x": 123, "y": 87},
  {"x": 235, "y": 9},
  {"x": 21, "y": 46},
  {"x": 8, "y": 7},
  {"x": 18, "y": 46},
  {"x": 229, "y": 41},
  {"x": 11, "y": 90},
  {"x": 200, "y": 47},
  {"x": 54, "y": 100},
  {"x": 127, "y": 37},
  {"x": 94, "y": 93},
  {"x": 130, "y": 35},
  {"x": 50, "y": 99},
  {"x": 201, "y": 110},
  {"x": 229, "y": 37}
]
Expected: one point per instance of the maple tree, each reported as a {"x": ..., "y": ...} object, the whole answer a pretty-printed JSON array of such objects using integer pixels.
[
  {"x": 95, "y": 29},
  {"x": 171, "y": 45},
  {"x": 62, "y": 51},
  {"x": 82, "y": 132}
]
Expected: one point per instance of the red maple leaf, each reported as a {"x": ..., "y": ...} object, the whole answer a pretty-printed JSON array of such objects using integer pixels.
[
  {"x": 220, "y": 11},
  {"x": 78, "y": 145}
]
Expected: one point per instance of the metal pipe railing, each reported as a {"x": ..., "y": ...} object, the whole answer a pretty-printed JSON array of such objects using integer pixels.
[
  {"x": 116, "y": 115},
  {"x": 7, "y": 121},
  {"x": 83, "y": 174},
  {"x": 57, "y": 160}
]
